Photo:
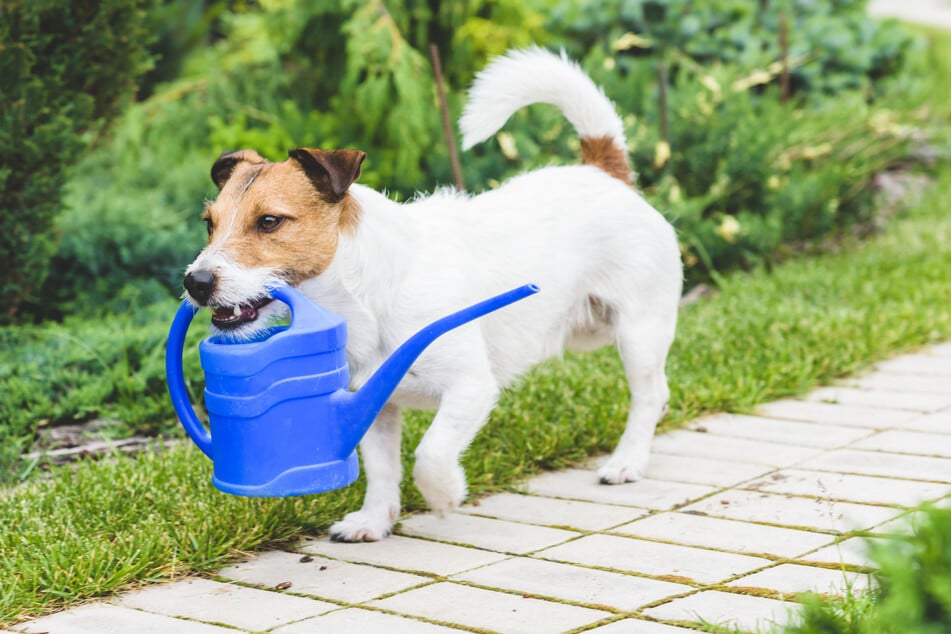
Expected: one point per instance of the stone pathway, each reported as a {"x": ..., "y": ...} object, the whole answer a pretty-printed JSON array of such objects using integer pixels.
[{"x": 738, "y": 515}]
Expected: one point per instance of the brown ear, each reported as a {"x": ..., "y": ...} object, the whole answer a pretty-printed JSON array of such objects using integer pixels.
[
  {"x": 223, "y": 168},
  {"x": 331, "y": 171}
]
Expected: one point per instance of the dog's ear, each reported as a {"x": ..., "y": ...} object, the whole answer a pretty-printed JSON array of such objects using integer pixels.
[
  {"x": 224, "y": 166},
  {"x": 331, "y": 171}
]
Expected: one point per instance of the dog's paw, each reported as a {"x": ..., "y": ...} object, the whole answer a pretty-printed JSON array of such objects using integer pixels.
[
  {"x": 361, "y": 526},
  {"x": 443, "y": 488},
  {"x": 618, "y": 472}
]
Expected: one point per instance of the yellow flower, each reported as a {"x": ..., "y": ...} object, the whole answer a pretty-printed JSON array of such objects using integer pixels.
[
  {"x": 729, "y": 228},
  {"x": 661, "y": 154},
  {"x": 609, "y": 63},
  {"x": 630, "y": 40},
  {"x": 507, "y": 145}
]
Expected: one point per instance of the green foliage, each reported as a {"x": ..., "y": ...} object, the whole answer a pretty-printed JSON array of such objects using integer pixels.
[{"x": 66, "y": 67}]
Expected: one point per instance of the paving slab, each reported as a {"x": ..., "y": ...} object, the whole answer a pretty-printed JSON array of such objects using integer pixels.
[
  {"x": 104, "y": 618},
  {"x": 911, "y": 401},
  {"x": 797, "y": 512},
  {"x": 496, "y": 611},
  {"x": 407, "y": 554},
  {"x": 797, "y": 579},
  {"x": 888, "y": 381},
  {"x": 779, "y": 431},
  {"x": 827, "y": 413},
  {"x": 905, "y": 441},
  {"x": 358, "y": 621},
  {"x": 321, "y": 577},
  {"x": 850, "y": 488},
  {"x": 938, "y": 423},
  {"x": 854, "y": 551},
  {"x": 670, "y": 562},
  {"x": 484, "y": 532},
  {"x": 704, "y": 445},
  {"x": 695, "y": 470},
  {"x": 573, "y": 583},
  {"x": 638, "y": 626},
  {"x": 926, "y": 365},
  {"x": 579, "y": 484},
  {"x": 727, "y": 609},
  {"x": 545, "y": 511},
  {"x": 882, "y": 464},
  {"x": 224, "y": 603},
  {"x": 724, "y": 534}
]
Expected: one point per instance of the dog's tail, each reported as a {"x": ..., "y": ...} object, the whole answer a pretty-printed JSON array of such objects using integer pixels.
[{"x": 534, "y": 75}]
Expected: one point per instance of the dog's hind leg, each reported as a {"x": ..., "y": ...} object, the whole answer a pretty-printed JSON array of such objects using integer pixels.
[
  {"x": 643, "y": 345},
  {"x": 380, "y": 451}
]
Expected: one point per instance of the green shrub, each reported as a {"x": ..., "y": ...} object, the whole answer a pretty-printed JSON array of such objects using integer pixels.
[{"x": 66, "y": 67}]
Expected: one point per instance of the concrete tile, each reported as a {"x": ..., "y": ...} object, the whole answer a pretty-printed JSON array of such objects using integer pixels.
[
  {"x": 850, "y": 488},
  {"x": 782, "y": 510},
  {"x": 827, "y": 413},
  {"x": 882, "y": 464},
  {"x": 913, "y": 442},
  {"x": 715, "y": 473},
  {"x": 901, "y": 383},
  {"x": 483, "y": 532},
  {"x": 727, "y": 609},
  {"x": 723, "y": 534},
  {"x": 690, "y": 443},
  {"x": 923, "y": 364},
  {"x": 325, "y": 578},
  {"x": 224, "y": 603},
  {"x": 912, "y": 401},
  {"x": 578, "y": 484},
  {"x": 497, "y": 611},
  {"x": 586, "y": 516},
  {"x": 853, "y": 551},
  {"x": 405, "y": 553},
  {"x": 779, "y": 431},
  {"x": 941, "y": 349},
  {"x": 357, "y": 621},
  {"x": 906, "y": 524},
  {"x": 103, "y": 618},
  {"x": 573, "y": 583},
  {"x": 938, "y": 423},
  {"x": 796, "y": 579},
  {"x": 637, "y": 626},
  {"x": 674, "y": 563}
]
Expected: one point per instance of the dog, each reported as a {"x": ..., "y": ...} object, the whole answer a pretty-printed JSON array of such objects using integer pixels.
[{"x": 607, "y": 263}]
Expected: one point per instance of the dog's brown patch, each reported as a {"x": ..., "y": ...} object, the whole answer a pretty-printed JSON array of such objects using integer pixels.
[
  {"x": 305, "y": 242},
  {"x": 603, "y": 152}
]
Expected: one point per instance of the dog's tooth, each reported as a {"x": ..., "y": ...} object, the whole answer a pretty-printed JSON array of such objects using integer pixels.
[{"x": 237, "y": 311}]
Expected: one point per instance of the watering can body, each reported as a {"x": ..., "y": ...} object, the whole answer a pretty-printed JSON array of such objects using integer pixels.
[{"x": 282, "y": 421}]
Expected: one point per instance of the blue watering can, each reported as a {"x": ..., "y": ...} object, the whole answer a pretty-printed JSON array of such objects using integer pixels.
[{"x": 282, "y": 420}]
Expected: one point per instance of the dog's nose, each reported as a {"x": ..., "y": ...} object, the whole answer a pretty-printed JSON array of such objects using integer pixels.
[{"x": 200, "y": 285}]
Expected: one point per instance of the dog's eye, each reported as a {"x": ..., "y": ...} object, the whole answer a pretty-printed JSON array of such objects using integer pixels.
[
  {"x": 267, "y": 224},
  {"x": 210, "y": 227}
]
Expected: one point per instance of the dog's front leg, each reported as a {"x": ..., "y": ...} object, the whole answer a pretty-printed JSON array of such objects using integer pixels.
[
  {"x": 463, "y": 410},
  {"x": 380, "y": 451}
]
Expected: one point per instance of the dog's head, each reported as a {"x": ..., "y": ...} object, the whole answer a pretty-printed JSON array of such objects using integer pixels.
[{"x": 272, "y": 223}]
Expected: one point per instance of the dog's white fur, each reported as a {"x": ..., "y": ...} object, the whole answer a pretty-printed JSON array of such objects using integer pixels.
[{"x": 607, "y": 263}]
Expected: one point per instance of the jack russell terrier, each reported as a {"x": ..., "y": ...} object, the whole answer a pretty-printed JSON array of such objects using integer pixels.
[{"x": 608, "y": 265}]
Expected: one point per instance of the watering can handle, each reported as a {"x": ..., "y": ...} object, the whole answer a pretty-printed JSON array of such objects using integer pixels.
[{"x": 176, "y": 379}]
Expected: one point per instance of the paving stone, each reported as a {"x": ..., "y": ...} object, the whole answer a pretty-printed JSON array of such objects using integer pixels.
[
  {"x": 904, "y": 441},
  {"x": 673, "y": 562},
  {"x": 853, "y": 551},
  {"x": 938, "y": 423},
  {"x": 912, "y": 401},
  {"x": 544, "y": 511},
  {"x": 723, "y": 534},
  {"x": 325, "y": 578},
  {"x": 850, "y": 488},
  {"x": 940, "y": 350},
  {"x": 827, "y": 413},
  {"x": 483, "y": 532},
  {"x": 883, "y": 464},
  {"x": 637, "y": 626},
  {"x": 224, "y": 603},
  {"x": 901, "y": 383},
  {"x": 796, "y": 579},
  {"x": 104, "y": 618},
  {"x": 691, "y": 443},
  {"x": 715, "y": 473},
  {"x": 497, "y": 611},
  {"x": 770, "y": 508},
  {"x": 905, "y": 524},
  {"x": 405, "y": 553},
  {"x": 578, "y": 484},
  {"x": 573, "y": 583},
  {"x": 923, "y": 364},
  {"x": 357, "y": 621},
  {"x": 779, "y": 431},
  {"x": 727, "y": 609}
]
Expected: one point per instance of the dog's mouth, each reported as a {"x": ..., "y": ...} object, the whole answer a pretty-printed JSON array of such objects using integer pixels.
[{"x": 231, "y": 317}]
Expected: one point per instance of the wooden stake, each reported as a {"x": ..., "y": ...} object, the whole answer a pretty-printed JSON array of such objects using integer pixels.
[
  {"x": 446, "y": 123},
  {"x": 784, "y": 56},
  {"x": 662, "y": 97}
]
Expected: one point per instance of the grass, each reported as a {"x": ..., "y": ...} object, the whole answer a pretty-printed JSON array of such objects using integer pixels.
[{"x": 99, "y": 527}]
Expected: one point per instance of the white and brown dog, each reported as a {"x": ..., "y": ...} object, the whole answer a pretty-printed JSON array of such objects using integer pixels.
[{"x": 607, "y": 263}]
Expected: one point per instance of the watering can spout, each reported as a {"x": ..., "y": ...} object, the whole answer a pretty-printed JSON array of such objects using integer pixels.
[{"x": 363, "y": 406}]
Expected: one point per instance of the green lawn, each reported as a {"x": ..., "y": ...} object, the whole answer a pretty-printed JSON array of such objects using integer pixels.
[{"x": 99, "y": 527}]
